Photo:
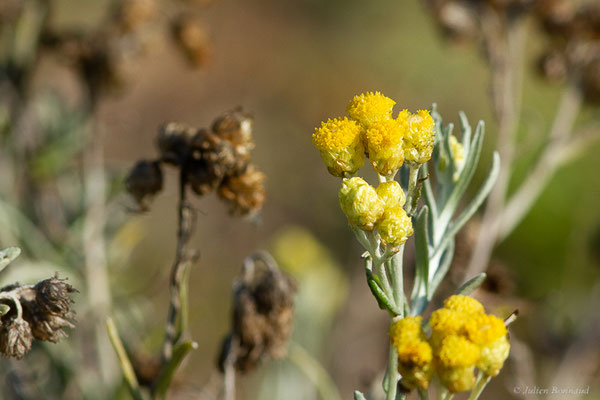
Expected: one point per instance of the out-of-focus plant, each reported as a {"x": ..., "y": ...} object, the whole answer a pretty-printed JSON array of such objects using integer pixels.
[
  {"x": 571, "y": 29},
  {"x": 57, "y": 198},
  {"x": 460, "y": 336},
  {"x": 41, "y": 311},
  {"x": 207, "y": 160}
]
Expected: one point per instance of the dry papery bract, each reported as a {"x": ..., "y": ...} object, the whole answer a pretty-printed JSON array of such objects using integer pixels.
[
  {"x": 216, "y": 159},
  {"x": 40, "y": 311},
  {"x": 263, "y": 310}
]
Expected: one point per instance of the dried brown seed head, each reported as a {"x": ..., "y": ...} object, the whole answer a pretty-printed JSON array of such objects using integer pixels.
[
  {"x": 144, "y": 181},
  {"x": 192, "y": 39},
  {"x": 15, "y": 338},
  {"x": 263, "y": 308},
  {"x": 131, "y": 14},
  {"x": 245, "y": 193},
  {"x": 173, "y": 142},
  {"x": 53, "y": 296}
]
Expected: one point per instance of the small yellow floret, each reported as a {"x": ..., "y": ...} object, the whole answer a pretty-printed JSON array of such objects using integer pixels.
[
  {"x": 465, "y": 304},
  {"x": 395, "y": 226},
  {"x": 340, "y": 144},
  {"x": 493, "y": 356},
  {"x": 384, "y": 143},
  {"x": 484, "y": 329},
  {"x": 458, "y": 351},
  {"x": 419, "y": 136},
  {"x": 406, "y": 330},
  {"x": 445, "y": 322},
  {"x": 360, "y": 203},
  {"x": 370, "y": 107},
  {"x": 391, "y": 193}
]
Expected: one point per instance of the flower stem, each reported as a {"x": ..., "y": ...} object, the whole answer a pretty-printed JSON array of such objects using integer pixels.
[
  {"x": 391, "y": 376},
  {"x": 482, "y": 381},
  {"x": 126, "y": 367},
  {"x": 412, "y": 197}
]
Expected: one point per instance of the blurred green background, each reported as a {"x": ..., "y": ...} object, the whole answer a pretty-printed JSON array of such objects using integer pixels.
[{"x": 293, "y": 64}]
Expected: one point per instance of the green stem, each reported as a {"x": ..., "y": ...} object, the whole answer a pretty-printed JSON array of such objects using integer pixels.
[
  {"x": 395, "y": 270},
  {"x": 412, "y": 197},
  {"x": 482, "y": 381},
  {"x": 126, "y": 367},
  {"x": 391, "y": 376},
  {"x": 314, "y": 371}
]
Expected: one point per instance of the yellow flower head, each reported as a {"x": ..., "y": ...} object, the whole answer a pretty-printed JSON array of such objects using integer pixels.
[
  {"x": 395, "y": 226},
  {"x": 465, "y": 304},
  {"x": 406, "y": 330},
  {"x": 484, "y": 329},
  {"x": 458, "y": 351},
  {"x": 458, "y": 154},
  {"x": 445, "y": 322},
  {"x": 384, "y": 142},
  {"x": 370, "y": 107},
  {"x": 391, "y": 193},
  {"x": 360, "y": 203},
  {"x": 340, "y": 144},
  {"x": 493, "y": 356},
  {"x": 419, "y": 136},
  {"x": 414, "y": 352}
]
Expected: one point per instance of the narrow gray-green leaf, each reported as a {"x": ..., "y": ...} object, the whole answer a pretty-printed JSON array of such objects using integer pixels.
[
  {"x": 471, "y": 284},
  {"x": 359, "y": 396},
  {"x": 8, "y": 255},
  {"x": 422, "y": 250},
  {"x": 473, "y": 206},
  {"x": 465, "y": 128}
]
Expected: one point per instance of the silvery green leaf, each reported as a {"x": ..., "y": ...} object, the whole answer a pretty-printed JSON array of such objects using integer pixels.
[
  {"x": 428, "y": 194},
  {"x": 445, "y": 263},
  {"x": 466, "y": 175},
  {"x": 4, "y": 308},
  {"x": 473, "y": 206},
  {"x": 472, "y": 284},
  {"x": 359, "y": 396},
  {"x": 465, "y": 128},
  {"x": 8, "y": 255},
  {"x": 422, "y": 250}
]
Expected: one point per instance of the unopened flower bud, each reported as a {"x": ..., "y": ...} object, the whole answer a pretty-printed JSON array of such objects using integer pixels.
[
  {"x": 419, "y": 136},
  {"x": 457, "y": 357},
  {"x": 395, "y": 226},
  {"x": 360, "y": 203},
  {"x": 391, "y": 193},
  {"x": 340, "y": 144}
]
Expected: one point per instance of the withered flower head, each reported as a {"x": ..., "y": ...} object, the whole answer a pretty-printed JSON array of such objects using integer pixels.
[
  {"x": 236, "y": 127},
  {"x": 41, "y": 312},
  {"x": 245, "y": 193},
  {"x": 144, "y": 181},
  {"x": 192, "y": 39},
  {"x": 131, "y": 14},
  {"x": 15, "y": 338},
  {"x": 263, "y": 308},
  {"x": 212, "y": 159},
  {"x": 173, "y": 142}
]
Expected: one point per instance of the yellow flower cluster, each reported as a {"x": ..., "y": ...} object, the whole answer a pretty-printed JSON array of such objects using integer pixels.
[
  {"x": 373, "y": 131},
  {"x": 462, "y": 337},
  {"x": 381, "y": 208},
  {"x": 415, "y": 355}
]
